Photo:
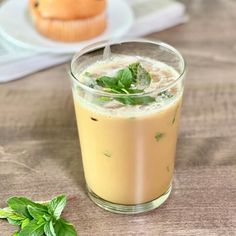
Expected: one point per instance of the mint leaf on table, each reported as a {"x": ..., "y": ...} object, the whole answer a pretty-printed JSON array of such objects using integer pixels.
[
  {"x": 15, "y": 234},
  {"x": 56, "y": 206},
  {"x": 49, "y": 229},
  {"x": 25, "y": 223},
  {"x": 14, "y": 222},
  {"x": 34, "y": 228},
  {"x": 64, "y": 228},
  {"x": 19, "y": 205},
  {"x": 36, "y": 219},
  {"x": 36, "y": 212},
  {"x": 10, "y": 214}
]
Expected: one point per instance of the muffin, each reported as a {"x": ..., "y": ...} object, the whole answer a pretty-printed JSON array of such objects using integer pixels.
[{"x": 69, "y": 20}]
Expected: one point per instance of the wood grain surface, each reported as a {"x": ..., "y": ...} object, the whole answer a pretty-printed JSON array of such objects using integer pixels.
[{"x": 40, "y": 154}]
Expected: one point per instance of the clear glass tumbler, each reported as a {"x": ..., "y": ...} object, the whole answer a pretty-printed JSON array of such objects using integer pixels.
[{"x": 128, "y": 157}]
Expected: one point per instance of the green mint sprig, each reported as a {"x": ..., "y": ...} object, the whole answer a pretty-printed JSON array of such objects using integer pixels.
[
  {"x": 130, "y": 80},
  {"x": 37, "y": 219}
]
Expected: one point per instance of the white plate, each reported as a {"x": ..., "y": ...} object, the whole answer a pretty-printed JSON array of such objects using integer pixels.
[{"x": 17, "y": 27}]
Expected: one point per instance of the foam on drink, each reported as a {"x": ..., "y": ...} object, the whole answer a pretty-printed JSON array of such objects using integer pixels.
[{"x": 162, "y": 76}]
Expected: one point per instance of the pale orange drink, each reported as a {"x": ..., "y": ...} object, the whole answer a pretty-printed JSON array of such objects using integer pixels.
[{"x": 127, "y": 106}]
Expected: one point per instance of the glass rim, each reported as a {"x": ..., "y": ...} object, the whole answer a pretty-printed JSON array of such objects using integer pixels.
[{"x": 101, "y": 44}]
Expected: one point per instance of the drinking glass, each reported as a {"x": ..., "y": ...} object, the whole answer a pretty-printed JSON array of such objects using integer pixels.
[{"x": 128, "y": 152}]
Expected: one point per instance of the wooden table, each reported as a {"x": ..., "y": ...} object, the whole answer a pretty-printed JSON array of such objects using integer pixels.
[{"x": 40, "y": 155}]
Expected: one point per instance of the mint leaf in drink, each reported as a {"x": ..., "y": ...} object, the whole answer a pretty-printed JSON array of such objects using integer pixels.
[
  {"x": 114, "y": 90},
  {"x": 107, "y": 154},
  {"x": 104, "y": 99},
  {"x": 107, "y": 81},
  {"x": 134, "y": 90},
  {"x": 56, "y": 206},
  {"x": 64, "y": 228},
  {"x": 159, "y": 136},
  {"x": 136, "y": 100},
  {"x": 166, "y": 94},
  {"x": 34, "y": 228},
  {"x": 88, "y": 74},
  {"x": 134, "y": 70},
  {"x": 143, "y": 77},
  {"x": 130, "y": 80},
  {"x": 140, "y": 75},
  {"x": 49, "y": 229},
  {"x": 125, "y": 78},
  {"x": 144, "y": 100},
  {"x": 19, "y": 205}
]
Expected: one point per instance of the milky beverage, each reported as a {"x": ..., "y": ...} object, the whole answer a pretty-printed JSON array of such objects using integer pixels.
[{"x": 128, "y": 151}]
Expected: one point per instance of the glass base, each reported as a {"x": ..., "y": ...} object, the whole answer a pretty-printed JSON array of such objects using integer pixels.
[{"x": 129, "y": 209}]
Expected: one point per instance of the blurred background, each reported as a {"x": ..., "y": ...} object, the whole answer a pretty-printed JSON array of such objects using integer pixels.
[{"x": 24, "y": 41}]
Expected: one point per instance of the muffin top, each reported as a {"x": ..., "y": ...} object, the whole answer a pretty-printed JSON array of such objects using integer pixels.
[{"x": 69, "y": 9}]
